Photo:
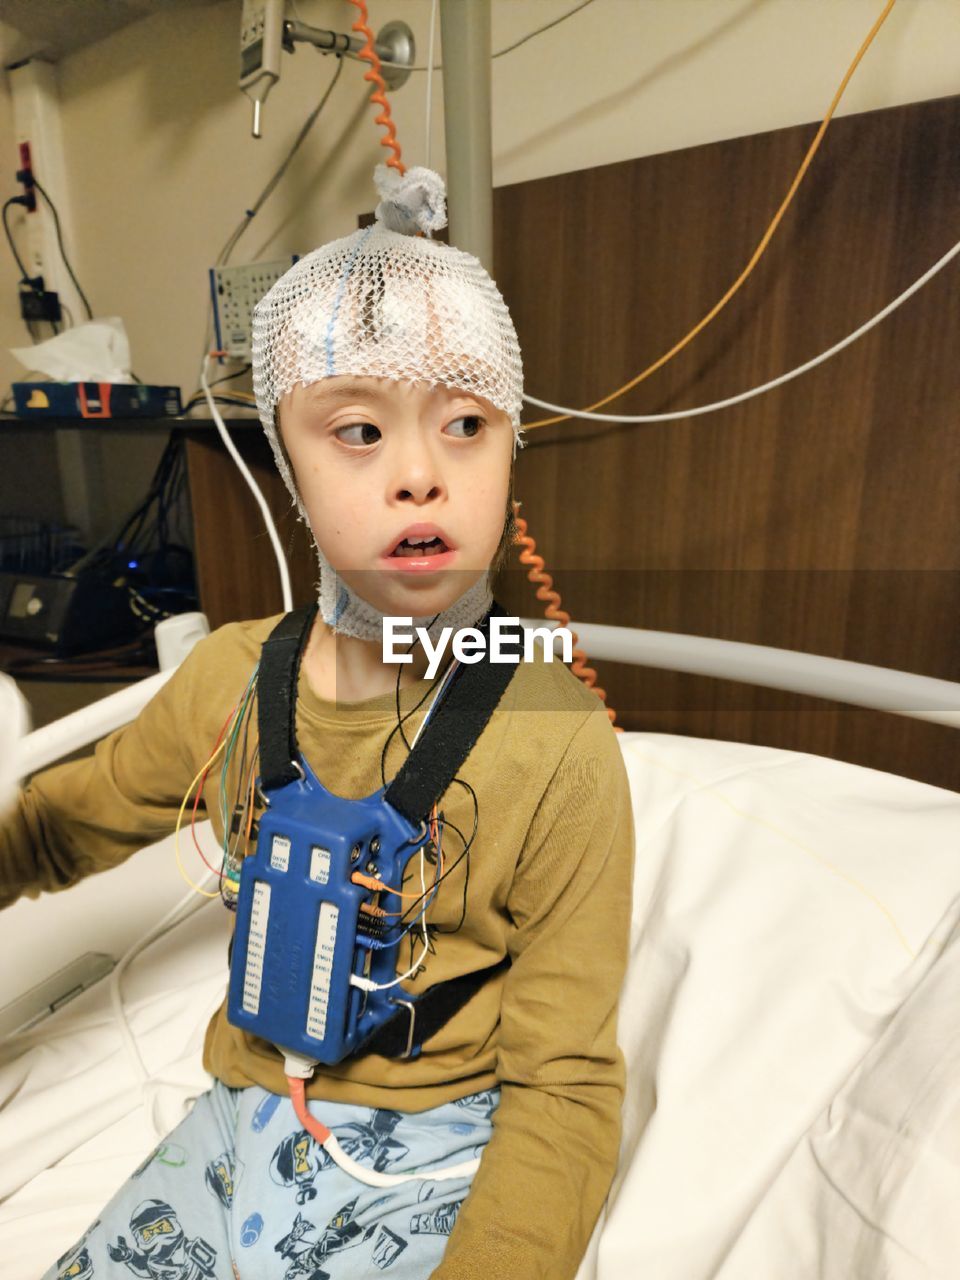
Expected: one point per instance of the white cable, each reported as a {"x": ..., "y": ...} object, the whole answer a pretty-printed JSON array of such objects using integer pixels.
[
  {"x": 187, "y": 905},
  {"x": 254, "y": 489},
  {"x": 448, "y": 674},
  {"x": 433, "y": 27},
  {"x": 767, "y": 386},
  {"x": 374, "y": 1179},
  {"x": 301, "y": 1068}
]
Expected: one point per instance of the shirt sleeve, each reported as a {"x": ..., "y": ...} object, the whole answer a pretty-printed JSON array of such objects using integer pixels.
[
  {"x": 548, "y": 1167},
  {"x": 92, "y": 814}
]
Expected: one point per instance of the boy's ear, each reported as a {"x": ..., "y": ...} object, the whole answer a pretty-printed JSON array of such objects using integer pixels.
[{"x": 508, "y": 537}]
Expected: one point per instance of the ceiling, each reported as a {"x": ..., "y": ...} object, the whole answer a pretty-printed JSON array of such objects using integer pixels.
[{"x": 51, "y": 29}]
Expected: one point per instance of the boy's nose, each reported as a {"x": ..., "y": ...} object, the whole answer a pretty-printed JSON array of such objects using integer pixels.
[
  {"x": 417, "y": 479},
  {"x": 418, "y": 492}
]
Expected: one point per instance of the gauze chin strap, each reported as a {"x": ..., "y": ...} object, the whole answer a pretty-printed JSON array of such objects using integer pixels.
[{"x": 347, "y": 613}]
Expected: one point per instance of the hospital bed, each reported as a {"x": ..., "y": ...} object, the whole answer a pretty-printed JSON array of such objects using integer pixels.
[{"x": 788, "y": 1018}]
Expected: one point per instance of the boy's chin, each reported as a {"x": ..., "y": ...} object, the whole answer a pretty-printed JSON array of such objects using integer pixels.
[{"x": 416, "y": 596}]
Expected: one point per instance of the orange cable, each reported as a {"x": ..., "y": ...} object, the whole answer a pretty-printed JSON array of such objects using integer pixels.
[
  {"x": 384, "y": 119},
  {"x": 316, "y": 1128},
  {"x": 528, "y": 556},
  {"x": 199, "y": 795},
  {"x": 758, "y": 252},
  {"x": 553, "y": 608}
]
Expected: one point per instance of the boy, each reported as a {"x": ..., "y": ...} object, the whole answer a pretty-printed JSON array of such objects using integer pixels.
[{"x": 388, "y": 379}]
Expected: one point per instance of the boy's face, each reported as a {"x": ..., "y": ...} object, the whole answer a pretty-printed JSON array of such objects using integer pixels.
[{"x": 373, "y": 457}]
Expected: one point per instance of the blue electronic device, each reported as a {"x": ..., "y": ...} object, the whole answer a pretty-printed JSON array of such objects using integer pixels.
[
  {"x": 305, "y": 930},
  {"x": 301, "y": 934}
]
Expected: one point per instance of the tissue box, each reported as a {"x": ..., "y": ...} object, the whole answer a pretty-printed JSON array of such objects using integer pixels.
[{"x": 95, "y": 400}]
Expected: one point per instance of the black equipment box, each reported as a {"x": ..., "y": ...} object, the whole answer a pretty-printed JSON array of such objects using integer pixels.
[{"x": 65, "y": 615}]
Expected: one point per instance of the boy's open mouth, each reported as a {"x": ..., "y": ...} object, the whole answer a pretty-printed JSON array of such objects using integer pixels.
[
  {"x": 419, "y": 542},
  {"x": 428, "y": 547}
]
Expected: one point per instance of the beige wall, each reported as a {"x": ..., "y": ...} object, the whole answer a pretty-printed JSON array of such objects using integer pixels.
[{"x": 161, "y": 163}]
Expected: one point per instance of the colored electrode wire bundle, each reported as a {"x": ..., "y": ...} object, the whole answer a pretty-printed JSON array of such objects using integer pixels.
[
  {"x": 236, "y": 724},
  {"x": 237, "y": 821}
]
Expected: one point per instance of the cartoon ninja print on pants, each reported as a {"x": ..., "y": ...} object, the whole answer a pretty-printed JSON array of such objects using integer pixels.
[
  {"x": 163, "y": 1251},
  {"x": 221, "y": 1176},
  {"x": 76, "y": 1263},
  {"x": 439, "y": 1222},
  {"x": 340, "y": 1233},
  {"x": 298, "y": 1159}
]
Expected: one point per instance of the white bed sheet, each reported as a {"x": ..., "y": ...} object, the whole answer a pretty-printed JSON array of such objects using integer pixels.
[{"x": 791, "y": 964}]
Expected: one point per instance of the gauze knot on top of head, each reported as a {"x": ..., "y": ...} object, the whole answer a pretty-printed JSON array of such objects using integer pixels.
[{"x": 385, "y": 302}]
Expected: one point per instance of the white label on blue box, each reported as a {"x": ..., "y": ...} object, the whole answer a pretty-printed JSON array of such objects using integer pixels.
[
  {"x": 280, "y": 853},
  {"x": 322, "y": 970},
  {"x": 256, "y": 946},
  {"x": 320, "y": 865}
]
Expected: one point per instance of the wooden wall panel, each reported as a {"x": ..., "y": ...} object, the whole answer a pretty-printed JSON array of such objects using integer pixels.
[
  {"x": 236, "y": 568},
  {"x": 823, "y": 516}
]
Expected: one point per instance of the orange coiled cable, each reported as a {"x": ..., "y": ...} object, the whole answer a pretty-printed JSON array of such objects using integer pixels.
[
  {"x": 529, "y": 556},
  {"x": 553, "y": 608},
  {"x": 384, "y": 119}
]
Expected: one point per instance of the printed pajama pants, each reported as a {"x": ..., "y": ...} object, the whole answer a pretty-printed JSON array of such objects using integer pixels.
[{"x": 240, "y": 1191}]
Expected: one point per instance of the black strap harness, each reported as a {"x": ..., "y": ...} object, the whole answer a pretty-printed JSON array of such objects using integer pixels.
[{"x": 445, "y": 743}]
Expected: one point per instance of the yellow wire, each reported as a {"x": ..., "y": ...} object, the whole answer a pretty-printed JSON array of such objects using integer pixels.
[
  {"x": 176, "y": 835},
  {"x": 758, "y": 252}
]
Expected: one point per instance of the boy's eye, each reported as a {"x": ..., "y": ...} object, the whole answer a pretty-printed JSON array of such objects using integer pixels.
[
  {"x": 364, "y": 433},
  {"x": 473, "y": 423}
]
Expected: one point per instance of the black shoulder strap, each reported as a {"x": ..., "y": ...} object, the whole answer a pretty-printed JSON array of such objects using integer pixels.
[
  {"x": 277, "y": 697},
  {"x": 449, "y": 737},
  {"x": 456, "y": 724}
]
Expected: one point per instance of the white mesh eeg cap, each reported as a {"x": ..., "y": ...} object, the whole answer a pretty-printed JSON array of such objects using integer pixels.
[{"x": 386, "y": 303}]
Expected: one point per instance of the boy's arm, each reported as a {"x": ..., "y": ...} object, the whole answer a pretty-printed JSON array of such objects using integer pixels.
[
  {"x": 547, "y": 1169},
  {"x": 92, "y": 814}
]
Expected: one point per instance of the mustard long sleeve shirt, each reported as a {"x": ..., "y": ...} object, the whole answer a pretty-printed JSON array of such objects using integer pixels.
[{"x": 550, "y": 876}]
